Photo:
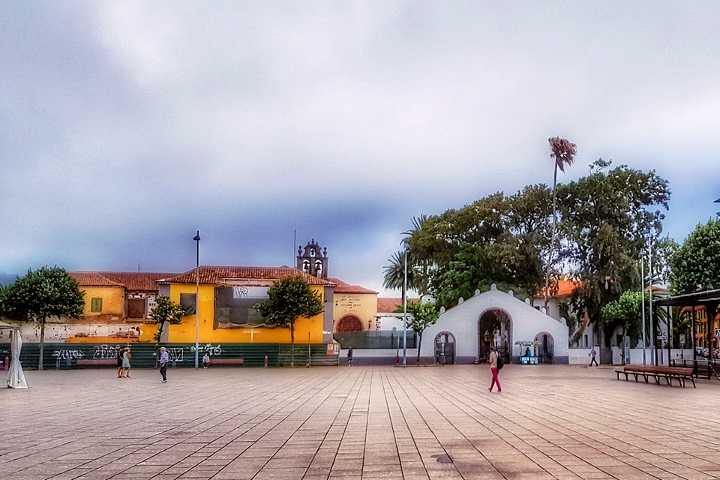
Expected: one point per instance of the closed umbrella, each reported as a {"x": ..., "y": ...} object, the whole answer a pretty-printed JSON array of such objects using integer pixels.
[{"x": 16, "y": 377}]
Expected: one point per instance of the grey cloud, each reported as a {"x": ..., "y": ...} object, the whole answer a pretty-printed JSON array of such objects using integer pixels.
[{"x": 130, "y": 124}]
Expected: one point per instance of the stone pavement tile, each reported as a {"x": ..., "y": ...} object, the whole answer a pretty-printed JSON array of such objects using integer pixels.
[{"x": 366, "y": 424}]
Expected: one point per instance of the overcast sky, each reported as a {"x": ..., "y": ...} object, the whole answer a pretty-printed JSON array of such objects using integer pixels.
[{"x": 124, "y": 126}]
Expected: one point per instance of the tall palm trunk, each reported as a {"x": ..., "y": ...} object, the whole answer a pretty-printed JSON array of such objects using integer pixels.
[
  {"x": 42, "y": 343},
  {"x": 552, "y": 237}
]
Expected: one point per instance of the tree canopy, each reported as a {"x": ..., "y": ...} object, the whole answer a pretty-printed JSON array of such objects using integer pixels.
[
  {"x": 695, "y": 265},
  {"x": 288, "y": 299},
  {"x": 41, "y": 294},
  {"x": 604, "y": 222},
  {"x": 166, "y": 311},
  {"x": 424, "y": 314},
  {"x": 625, "y": 312}
]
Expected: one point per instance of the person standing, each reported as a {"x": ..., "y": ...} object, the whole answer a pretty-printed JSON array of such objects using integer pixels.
[
  {"x": 126, "y": 362},
  {"x": 206, "y": 360},
  {"x": 493, "y": 361},
  {"x": 349, "y": 357},
  {"x": 593, "y": 354},
  {"x": 164, "y": 360},
  {"x": 119, "y": 360}
]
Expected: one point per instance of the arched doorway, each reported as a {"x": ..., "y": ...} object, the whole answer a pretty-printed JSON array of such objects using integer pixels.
[
  {"x": 494, "y": 329},
  {"x": 349, "y": 323},
  {"x": 445, "y": 348},
  {"x": 545, "y": 345}
]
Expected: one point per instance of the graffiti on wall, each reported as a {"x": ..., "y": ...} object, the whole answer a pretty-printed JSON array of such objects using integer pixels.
[
  {"x": 209, "y": 348},
  {"x": 176, "y": 354},
  {"x": 105, "y": 352},
  {"x": 65, "y": 354}
]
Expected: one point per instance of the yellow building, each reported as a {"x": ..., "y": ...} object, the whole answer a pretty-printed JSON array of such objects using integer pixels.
[
  {"x": 355, "y": 307},
  {"x": 104, "y": 298},
  {"x": 227, "y": 295}
]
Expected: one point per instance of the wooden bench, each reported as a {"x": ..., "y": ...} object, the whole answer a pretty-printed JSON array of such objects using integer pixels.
[
  {"x": 227, "y": 361},
  {"x": 668, "y": 373},
  {"x": 105, "y": 362}
]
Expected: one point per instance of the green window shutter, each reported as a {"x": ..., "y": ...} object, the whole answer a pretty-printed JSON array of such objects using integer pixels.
[{"x": 96, "y": 305}]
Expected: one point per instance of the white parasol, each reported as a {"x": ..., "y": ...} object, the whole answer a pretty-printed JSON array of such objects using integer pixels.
[{"x": 16, "y": 377}]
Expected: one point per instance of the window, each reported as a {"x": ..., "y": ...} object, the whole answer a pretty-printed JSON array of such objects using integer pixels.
[
  {"x": 96, "y": 305},
  {"x": 187, "y": 302},
  {"x": 306, "y": 266},
  {"x": 312, "y": 252},
  {"x": 586, "y": 341}
]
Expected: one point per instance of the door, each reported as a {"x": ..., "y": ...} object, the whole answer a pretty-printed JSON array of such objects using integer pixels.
[{"x": 136, "y": 308}]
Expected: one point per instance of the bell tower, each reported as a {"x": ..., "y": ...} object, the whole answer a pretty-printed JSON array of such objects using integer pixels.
[{"x": 313, "y": 259}]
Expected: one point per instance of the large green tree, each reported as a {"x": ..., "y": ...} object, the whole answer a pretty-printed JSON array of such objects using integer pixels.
[
  {"x": 424, "y": 314},
  {"x": 166, "y": 311},
  {"x": 607, "y": 220},
  {"x": 626, "y": 313},
  {"x": 289, "y": 299},
  {"x": 498, "y": 239},
  {"x": 695, "y": 265},
  {"x": 42, "y": 294}
]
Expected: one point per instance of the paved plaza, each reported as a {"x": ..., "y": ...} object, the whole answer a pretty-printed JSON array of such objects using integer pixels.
[{"x": 357, "y": 423}]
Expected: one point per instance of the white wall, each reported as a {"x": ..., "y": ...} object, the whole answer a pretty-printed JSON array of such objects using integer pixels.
[
  {"x": 579, "y": 356},
  {"x": 527, "y": 322}
]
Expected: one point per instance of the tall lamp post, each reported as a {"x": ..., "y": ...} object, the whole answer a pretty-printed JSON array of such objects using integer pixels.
[
  {"x": 196, "y": 238},
  {"x": 405, "y": 311}
]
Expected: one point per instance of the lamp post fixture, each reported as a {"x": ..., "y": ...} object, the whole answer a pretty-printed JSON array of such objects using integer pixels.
[
  {"x": 196, "y": 238},
  {"x": 405, "y": 311}
]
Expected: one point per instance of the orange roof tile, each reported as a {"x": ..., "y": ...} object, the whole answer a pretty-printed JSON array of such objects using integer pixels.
[
  {"x": 565, "y": 288},
  {"x": 93, "y": 279},
  {"x": 344, "y": 287},
  {"x": 133, "y": 281},
  {"x": 138, "y": 281},
  {"x": 391, "y": 304},
  {"x": 216, "y": 274}
]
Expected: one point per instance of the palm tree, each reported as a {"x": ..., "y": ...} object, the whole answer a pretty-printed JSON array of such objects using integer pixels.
[
  {"x": 563, "y": 151},
  {"x": 417, "y": 225},
  {"x": 395, "y": 273}
]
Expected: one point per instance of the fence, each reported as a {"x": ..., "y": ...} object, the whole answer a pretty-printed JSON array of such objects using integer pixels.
[
  {"x": 64, "y": 355},
  {"x": 375, "y": 339}
]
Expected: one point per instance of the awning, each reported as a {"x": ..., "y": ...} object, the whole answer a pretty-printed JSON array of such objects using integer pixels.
[{"x": 690, "y": 299}]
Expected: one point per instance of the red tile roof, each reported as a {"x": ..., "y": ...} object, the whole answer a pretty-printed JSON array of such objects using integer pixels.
[
  {"x": 216, "y": 274},
  {"x": 565, "y": 288},
  {"x": 133, "y": 281},
  {"x": 344, "y": 287},
  {"x": 93, "y": 279},
  {"x": 138, "y": 281},
  {"x": 391, "y": 304}
]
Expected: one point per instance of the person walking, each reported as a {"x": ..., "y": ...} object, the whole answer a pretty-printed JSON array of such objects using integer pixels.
[
  {"x": 126, "y": 362},
  {"x": 593, "y": 354},
  {"x": 349, "y": 357},
  {"x": 164, "y": 360},
  {"x": 119, "y": 360},
  {"x": 493, "y": 361}
]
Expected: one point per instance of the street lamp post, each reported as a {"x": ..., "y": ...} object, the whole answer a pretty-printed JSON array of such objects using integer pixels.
[
  {"x": 196, "y": 238},
  {"x": 405, "y": 311},
  {"x": 642, "y": 304}
]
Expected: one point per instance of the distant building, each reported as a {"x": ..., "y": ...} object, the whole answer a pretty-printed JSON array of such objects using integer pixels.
[
  {"x": 226, "y": 310},
  {"x": 118, "y": 296}
]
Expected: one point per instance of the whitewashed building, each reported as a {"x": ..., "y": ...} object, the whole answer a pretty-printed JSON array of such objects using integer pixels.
[{"x": 464, "y": 333}]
